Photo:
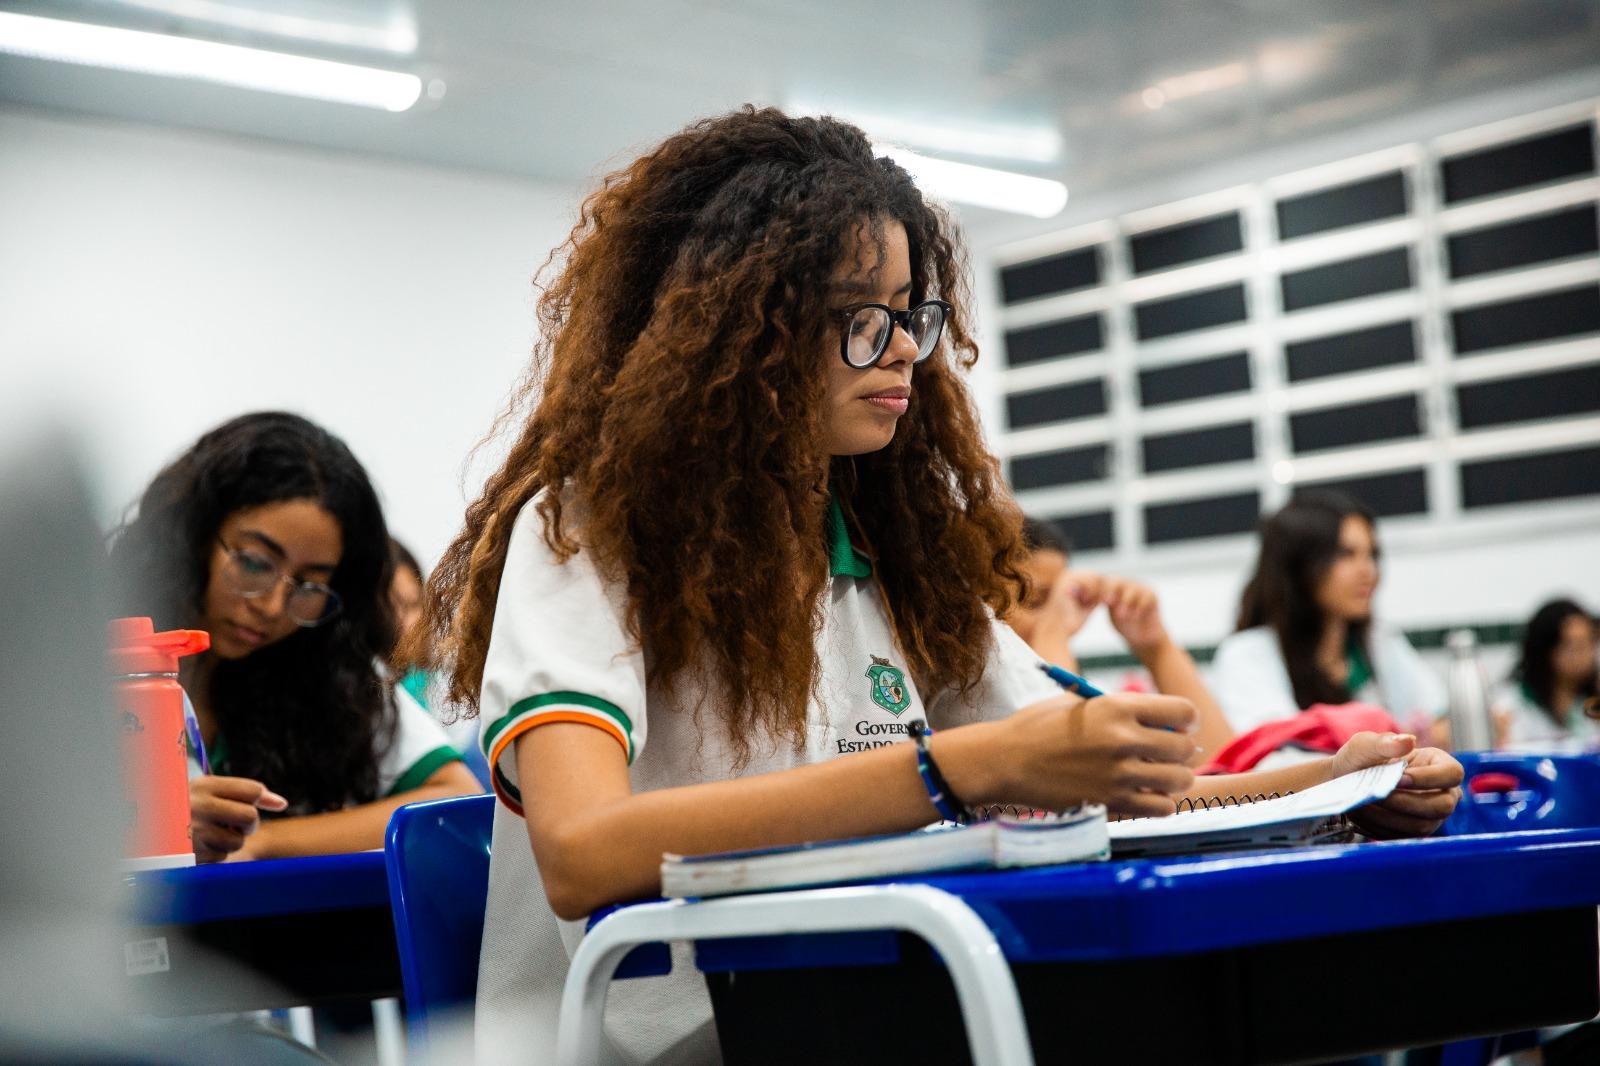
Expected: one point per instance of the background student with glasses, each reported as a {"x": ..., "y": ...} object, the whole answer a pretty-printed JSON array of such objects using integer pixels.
[{"x": 268, "y": 535}]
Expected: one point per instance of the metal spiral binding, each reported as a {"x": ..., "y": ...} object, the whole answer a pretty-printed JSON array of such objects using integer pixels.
[
  {"x": 1010, "y": 810},
  {"x": 1184, "y": 805},
  {"x": 1211, "y": 803}
]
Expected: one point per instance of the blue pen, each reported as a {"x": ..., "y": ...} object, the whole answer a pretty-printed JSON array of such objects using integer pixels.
[
  {"x": 1070, "y": 681},
  {"x": 191, "y": 726},
  {"x": 1077, "y": 685}
]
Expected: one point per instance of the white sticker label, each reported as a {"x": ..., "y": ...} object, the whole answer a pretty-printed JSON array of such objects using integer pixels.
[{"x": 146, "y": 956}]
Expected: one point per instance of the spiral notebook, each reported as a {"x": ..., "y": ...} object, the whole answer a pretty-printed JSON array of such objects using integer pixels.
[
  {"x": 1038, "y": 840},
  {"x": 1234, "y": 822}
]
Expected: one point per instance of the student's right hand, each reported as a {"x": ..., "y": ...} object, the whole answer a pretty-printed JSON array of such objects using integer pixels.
[
  {"x": 224, "y": 811},
  {"x": 1125, "y": 751}
]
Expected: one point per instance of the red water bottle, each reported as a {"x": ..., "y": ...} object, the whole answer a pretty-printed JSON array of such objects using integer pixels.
[{"x": 155, "y": 750}]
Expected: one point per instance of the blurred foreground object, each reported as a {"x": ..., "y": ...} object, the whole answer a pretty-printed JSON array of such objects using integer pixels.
[{"x": 59, "y": 890}]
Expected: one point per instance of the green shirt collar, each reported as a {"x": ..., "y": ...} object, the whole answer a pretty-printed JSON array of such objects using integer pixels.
[
  {"x": 1528, "y": 694},
  {"x": 843, "y": 559},
  {"x": 219, "y": 754},
  {"x": 1360, "y": 668}
]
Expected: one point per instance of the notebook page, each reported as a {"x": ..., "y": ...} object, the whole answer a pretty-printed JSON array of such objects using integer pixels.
[{"x": 1319, "y": 801}]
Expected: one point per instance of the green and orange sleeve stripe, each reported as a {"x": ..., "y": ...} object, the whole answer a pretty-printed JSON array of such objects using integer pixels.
[{"x": 536, "y": 711}]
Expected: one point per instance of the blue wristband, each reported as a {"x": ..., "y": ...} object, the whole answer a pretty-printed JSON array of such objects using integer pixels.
[{"x": 944, "y": 800}]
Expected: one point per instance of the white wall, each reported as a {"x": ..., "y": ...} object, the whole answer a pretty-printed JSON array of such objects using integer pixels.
[{"x": 156, "y": 282}]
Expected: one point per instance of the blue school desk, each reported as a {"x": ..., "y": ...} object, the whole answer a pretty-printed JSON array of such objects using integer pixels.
[
  {"x": 312, "y": 930},
  {"x": 1266, "y": 957}
]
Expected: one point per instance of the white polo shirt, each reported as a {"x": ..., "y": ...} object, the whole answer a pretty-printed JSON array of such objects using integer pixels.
[
  {"x": 1533, "y": 729},
  {"x": 1251, "y": 681},
  {"x": 558, "y": 651}
]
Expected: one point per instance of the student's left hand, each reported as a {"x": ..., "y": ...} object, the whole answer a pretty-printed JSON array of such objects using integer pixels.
[{"x": 1427, "y": 793}]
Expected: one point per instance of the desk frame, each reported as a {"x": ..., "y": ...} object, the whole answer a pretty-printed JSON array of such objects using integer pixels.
[
  {"x": 308, "y": 931},
  {"x": 996, "y": 1032},
  {"x": 1127, "y": 910}
]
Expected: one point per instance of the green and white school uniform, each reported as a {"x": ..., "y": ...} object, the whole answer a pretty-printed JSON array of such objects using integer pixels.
[
  {"x": 1534, "y": 730},
  {"x": 419, "y": 747},
  {"x": 558, "y": 651},
  {"x": 1251, "y": 682}
]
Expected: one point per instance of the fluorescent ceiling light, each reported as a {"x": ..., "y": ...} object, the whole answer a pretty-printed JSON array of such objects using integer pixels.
[
  {"x": 186, "y": 57},
  {"x": 1000, "y": 190},
  {"x": 1027, "y": 144},
  {"x": 399, "y": 36},
  {"x": 1194, "y": 83}
]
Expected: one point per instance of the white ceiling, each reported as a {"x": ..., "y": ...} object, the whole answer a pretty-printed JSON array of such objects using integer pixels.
[{"x": 564, "y": 89}]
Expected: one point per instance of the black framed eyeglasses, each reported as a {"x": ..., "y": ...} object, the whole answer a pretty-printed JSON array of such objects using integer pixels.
[
  {"x": 868, "y": 329},
  {"x": 251, "y": 574}
]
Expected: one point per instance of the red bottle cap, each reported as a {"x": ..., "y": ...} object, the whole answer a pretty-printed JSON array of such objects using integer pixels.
[{"x": 136, "y": 648}]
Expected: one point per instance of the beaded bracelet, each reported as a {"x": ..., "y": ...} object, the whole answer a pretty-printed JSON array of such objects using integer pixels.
[{"x": 944, "y": 799}]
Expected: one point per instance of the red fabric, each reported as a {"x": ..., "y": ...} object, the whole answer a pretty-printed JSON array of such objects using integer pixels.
[{"x": 1322, "y": 727}]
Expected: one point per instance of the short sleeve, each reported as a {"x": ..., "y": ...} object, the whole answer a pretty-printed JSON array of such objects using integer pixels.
[
  {"x": 1011, "y": 681},
  {"x": 420, "y": 747},
  {"x": 1250, "y": 681},
  {"x": 558, "y": 651}
]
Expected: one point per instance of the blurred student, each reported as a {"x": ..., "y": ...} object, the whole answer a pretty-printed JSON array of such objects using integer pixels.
[
  {"x": 405, "y": 601},
  {"x": 1541, "y": 707},
  {"x": 748, "y": 533},
  {"x": 405, "y": 596},
  {"x": 268, "y": 535},
  {"x": 1306, "y": 634},
  {"x": 405, "y": 587},
  {"x": 1060, "y": 601}
]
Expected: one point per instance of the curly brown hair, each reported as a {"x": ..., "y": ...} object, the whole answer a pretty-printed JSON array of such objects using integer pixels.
[{"x": 681, "y": 358}]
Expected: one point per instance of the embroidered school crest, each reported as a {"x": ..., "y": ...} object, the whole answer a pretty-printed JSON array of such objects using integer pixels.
[{"x": 888, "y": 686}]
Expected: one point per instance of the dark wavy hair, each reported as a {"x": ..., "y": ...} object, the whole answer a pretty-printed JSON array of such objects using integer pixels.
[
  {"x": 1298, "y": 545},
  {"x": 1539, "y": 640},
  {"x": 1043, "y": 535},
  {"x": 308, "y": 714},
  {"x": 682, "y": 362}
]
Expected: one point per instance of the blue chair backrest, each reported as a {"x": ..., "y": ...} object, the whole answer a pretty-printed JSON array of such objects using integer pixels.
[
  {"x": 437, "y": 855},
  {"x": 1520, "y": 792}
]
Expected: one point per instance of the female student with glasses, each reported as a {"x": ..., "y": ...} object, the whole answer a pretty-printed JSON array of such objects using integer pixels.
[
  {"x": 268, "y": 535},
  {"x": 748, "y": 532}
]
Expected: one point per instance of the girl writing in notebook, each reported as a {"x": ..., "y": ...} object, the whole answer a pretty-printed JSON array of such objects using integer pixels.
[
  {"x": 268, "y": 535},
  {"x": 746, "y": 534}
]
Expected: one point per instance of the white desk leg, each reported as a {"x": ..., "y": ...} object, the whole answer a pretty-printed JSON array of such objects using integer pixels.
[
  {"x": 996, "y": 1031},
  {"x": 388, "y": 1032},
  {"x": 302, "y": 1026}
]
